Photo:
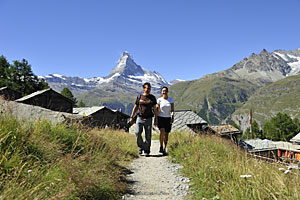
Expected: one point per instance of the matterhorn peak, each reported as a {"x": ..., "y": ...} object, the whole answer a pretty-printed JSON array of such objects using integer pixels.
[
  {"x": 125, "y": 55},
  {"x": 126, "y": 66}
]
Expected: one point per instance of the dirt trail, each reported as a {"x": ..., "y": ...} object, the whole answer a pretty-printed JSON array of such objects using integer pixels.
[{"x": 155, "y": 177}]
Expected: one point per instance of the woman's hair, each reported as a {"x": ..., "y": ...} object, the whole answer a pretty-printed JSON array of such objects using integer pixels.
[{"x": 164, "y": 87}]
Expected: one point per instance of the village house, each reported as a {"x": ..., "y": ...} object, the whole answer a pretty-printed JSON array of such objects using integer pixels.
[
  {"x": 189, "y": 121},
  {"x": 296, "y": 139},
  {"x": 225, "y": 130},
  {"x": 9, "y": 94},
  {"x": 276, "y": 151},
  {"x": 102, "y": 117},
  {"x": 48, "y": 99}
]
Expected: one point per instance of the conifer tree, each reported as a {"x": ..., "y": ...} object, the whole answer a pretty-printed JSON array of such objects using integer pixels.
[{"x": 67, "y": 93}]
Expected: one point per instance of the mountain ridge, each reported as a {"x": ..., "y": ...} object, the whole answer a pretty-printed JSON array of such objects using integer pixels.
[
  {"x": 126, "y": 72},
  {"x": 212, "y": 96}
]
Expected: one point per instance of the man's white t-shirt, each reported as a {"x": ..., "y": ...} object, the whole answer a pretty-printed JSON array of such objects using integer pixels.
[{"x": 165, "y": 106}]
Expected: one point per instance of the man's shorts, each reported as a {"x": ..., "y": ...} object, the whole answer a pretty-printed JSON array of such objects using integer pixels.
[{"x": 164, "y": 122}]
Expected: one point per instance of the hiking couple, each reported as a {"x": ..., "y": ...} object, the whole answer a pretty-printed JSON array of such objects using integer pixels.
[{"x": 163, "y": 112}]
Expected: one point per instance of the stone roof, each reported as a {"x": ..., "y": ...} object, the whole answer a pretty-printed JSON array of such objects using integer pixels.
[
  {"x": 88, "y": 110},
  {"x": 286, "y": 145},
  {"x": 259, "y": 144},
  {"x": 225, "y": 129},
  {"x": 41, "y": 92},
  {"x": 296, "y": 138},
  {"x": 183, "y": 118},
  {"x": 3, "y": 88}
]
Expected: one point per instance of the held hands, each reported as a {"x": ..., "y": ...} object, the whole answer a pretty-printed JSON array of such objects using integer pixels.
[
  {"x": 131, "y": 120},
  {"x": 172, "y": 120},
  {"x": 155, "y": 121}
]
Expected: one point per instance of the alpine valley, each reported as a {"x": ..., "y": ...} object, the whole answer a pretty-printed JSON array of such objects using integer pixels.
[{"x": 218, "y": 97}]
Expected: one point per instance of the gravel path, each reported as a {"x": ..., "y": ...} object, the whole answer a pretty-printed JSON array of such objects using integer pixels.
[{"x": 155, "y": 177}]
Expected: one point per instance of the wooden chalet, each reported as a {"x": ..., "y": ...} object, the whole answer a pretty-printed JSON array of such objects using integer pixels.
[
  {"x": 49, "y": 99},
  {"x": 101, "y": 116},
  {"x": 9, "y": 94},
  {"x": 226, "y": 131}
]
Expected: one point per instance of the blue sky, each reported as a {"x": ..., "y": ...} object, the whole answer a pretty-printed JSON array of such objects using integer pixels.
[{"x": 179, "y": 39}]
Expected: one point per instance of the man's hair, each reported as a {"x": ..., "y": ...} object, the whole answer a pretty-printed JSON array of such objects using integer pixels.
[{"x": 146, "y": 84}]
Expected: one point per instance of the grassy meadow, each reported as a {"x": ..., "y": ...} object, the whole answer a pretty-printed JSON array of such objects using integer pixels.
[
  {"x": 44, "y": 161},
  {"x": 215, "y": 166}
]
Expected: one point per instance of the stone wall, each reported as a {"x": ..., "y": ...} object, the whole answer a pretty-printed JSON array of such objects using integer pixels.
[{"x": 33, "y": 113}]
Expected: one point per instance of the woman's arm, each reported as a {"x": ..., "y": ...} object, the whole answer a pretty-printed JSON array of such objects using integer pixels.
[{"x": 172, "y": 112}]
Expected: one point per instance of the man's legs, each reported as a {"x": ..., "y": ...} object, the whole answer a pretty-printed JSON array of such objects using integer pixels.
[
  {"x": 138, "y": 134},
  {"x": 148, "y": 134}
]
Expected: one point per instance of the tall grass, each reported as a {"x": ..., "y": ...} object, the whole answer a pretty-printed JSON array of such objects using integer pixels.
[
  {"x": 215, "y": 165},
  {"x": 44, "y": 161}
]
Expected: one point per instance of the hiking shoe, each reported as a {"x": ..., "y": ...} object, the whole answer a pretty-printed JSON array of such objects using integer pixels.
[
  {"x": 140, "y": 151},
  {"x": 164, "y": 152},
  {"x": 161, "y": 150},
  {"x": 147, "y": 153}
]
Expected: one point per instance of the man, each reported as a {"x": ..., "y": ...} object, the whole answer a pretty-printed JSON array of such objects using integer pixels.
[{"x": 145, "y": 103}]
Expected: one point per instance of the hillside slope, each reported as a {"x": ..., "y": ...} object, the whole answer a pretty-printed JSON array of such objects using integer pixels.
[
  {"x": 40, "y": 160},
  {"x": 213, "y": 97},
  {"x": 280, "y": 96},
  {"x": 218, "y": 169},
  {"x": 216, "y": 96}
]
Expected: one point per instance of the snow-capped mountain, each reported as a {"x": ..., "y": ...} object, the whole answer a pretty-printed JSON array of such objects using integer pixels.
[
  {"x": 292, "y": 58},
  {"x": 126, "y": 74},
  {"x": 266, "y": 67},
  {"x": 176, "y": 81}
]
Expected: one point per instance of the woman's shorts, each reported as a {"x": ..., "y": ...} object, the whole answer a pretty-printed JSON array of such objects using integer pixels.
[{"x": 164, "y": 122}]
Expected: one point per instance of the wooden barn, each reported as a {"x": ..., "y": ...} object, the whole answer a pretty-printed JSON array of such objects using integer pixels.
[
  {"x": 49, "y": 99},
  {"x": 9, "y": 94},
  {"x": 102, "y": 117},
  {"x": 122, "y": 120},
  {"x": 225, "y": 130}
]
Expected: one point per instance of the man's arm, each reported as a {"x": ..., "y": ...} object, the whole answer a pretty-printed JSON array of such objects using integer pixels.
[{"x": 132, "y": 113}]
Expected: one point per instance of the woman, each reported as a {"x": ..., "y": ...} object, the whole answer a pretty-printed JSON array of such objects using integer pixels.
[{"x": 165, "y": 107}]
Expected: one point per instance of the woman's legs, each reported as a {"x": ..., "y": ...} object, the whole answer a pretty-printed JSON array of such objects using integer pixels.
[
  {"x": 166, "y": 140},
  {"x": 162, "y": 139}
]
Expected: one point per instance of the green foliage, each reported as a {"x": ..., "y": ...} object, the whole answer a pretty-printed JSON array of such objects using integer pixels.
[
  {"x": 45, "y": 161},
  {"x": 214, "y": 166},
  {"x": 281, "y": 128},
  {"x": 256, "y": 132},
  {"x": 81, "y": 104},
  {"x": 281, "y": 96},
  {"x": 67, "y": 93},
  {"x": 19, "y": 76}
]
